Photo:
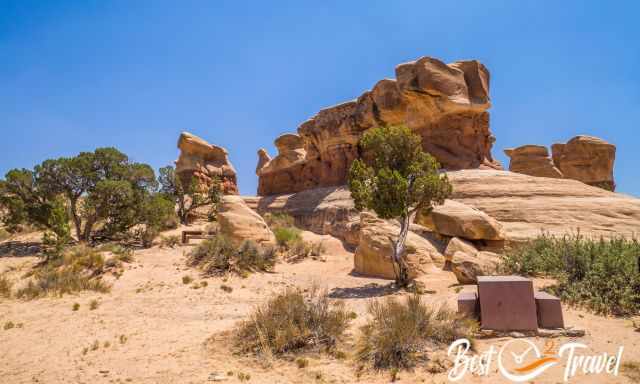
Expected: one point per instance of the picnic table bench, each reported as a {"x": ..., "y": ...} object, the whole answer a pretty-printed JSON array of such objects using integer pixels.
[{"x": 186, "y": 235}]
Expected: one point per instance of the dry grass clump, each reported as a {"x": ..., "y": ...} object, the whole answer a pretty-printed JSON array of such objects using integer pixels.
[
  {"x": 171, "y": 241},
  {"x": 402, "y": 334},
  {"x": 293, "y": 321},
  {"x": 4, "y": 234},
  {"x": 5, "y": 287},
  {"x": 631, "y": 369},
  {"x": 78, "y": 269},
  {"x": 219, "y": 255}
]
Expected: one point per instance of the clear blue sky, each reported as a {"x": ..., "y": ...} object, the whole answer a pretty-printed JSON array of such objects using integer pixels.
[{"x": 75, "y": 75}]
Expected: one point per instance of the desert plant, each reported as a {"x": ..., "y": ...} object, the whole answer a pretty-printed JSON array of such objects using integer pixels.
[
  {"x": 188, "y": 194},
  {"x": 93, "y": 304},
  {"x": 286, "y": 235},
  {"x": 396, "y": 179},
  {"x": 279, "y": 220},
  {"x": 76, "y": 306},
  {"x": 169, "y": 241},
  {"x": 401, "y": 334},
  {"x": 186, "y": 279},
  {"x": 5, "y": 287},
  {"x": 4, "y": 234},
  {"x": 78, "y": 269},
  {"x": 292, "y": 321},
  {"x": 219, "y": 255},
  {"x": 599, "y": 274}
]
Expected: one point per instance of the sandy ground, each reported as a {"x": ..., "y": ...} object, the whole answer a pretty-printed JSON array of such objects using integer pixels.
[{"x": 152, "y": 328}]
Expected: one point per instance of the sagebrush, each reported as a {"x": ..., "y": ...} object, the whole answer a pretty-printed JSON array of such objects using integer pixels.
[
  {"x": 399, "y": 335},
  {"x": 599, "y": 274},
  {"x": 292, "y": 321},
  {"x": 80, "y": 268},
  {"x": 219, "y": 255}
]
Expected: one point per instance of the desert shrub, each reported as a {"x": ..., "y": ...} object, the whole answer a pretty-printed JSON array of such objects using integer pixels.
[
  {"x": 293, "y": 321},
  {"x": 601, "y": 275},
  {"x": 79, "y": 269},
  {"x": 286, "y": 235},
  {"x": 169, "y": 241},
  {"x": 5, "y": 287},
  {"x": 279, "y": 220},
  {"x": 219, "y": 255},
  {"x": 401, "y": 334}
]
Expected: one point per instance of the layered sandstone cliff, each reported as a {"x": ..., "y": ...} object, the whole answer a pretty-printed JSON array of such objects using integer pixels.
[
  {"x": 205, "y": 162},
  {"x": 584, "y": 158},
  {"x": 446, "y": 104}
]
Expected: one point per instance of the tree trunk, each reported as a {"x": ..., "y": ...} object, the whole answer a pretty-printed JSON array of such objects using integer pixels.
[
  {"x": 77, "y": 222},
  {"x": 400, "y": 264}
]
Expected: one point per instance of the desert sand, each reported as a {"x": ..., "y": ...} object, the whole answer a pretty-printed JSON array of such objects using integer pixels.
[{"x": 153, "y": 328}]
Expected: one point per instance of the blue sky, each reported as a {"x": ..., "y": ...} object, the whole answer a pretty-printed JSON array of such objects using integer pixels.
[{"x": 75, "y": 75}]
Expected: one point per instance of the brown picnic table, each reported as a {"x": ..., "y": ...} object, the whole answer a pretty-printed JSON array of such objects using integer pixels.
[{"x": 186, "y": 235}]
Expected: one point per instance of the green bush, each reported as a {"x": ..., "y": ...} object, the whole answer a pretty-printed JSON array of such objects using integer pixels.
[
  {"x": 286, "y": 235},
  {"x": 219, "y": 255},
  {"x": 399, "y": 335},
  {"x": 293, "y": 321},
  {"x": 601, "y": 275},
  {"x": 279, "y": 220}
]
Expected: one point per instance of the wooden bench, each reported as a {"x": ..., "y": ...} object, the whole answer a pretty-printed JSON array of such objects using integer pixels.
[{"x": 186, "y": 235}]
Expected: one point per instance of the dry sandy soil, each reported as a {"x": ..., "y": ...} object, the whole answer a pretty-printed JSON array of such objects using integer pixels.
[{"x": 152, "y": 328}]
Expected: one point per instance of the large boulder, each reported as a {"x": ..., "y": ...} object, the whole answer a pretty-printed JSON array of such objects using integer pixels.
[
  {"x": 239, "y": 222},
  {"x": 457, "y": 245},
  {"x": 588, "y": 159},
  {"x": 446, "y": 104},
  {"x": 457, "y": 219},
  {"x": 205, "y": 161},
  {"x": 467, "y": 267},
  {"x": 532, "y": 160},
  {"x": 374, "y": 252}
]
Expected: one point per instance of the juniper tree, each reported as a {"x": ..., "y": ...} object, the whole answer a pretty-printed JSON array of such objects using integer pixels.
[
  {"x": 395, "y": 178},
  {"x": 187, "y": 193}
]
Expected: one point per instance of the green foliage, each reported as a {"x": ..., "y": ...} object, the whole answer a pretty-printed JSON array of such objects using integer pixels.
[
  {"x": 187, "y": 194},
  {"x": 601, "y": 275},
  {"x": 293, "y": 321},
  {"x": 394, "y": 175},
  {"x": 399, "y": 335},
  {"x": 286, "y": 235},
  {"x": 279, "y": 220},
  {"x": 395, "y": 178},
  {"x": 219, "y": 255},
  {"x": 101, "y": 187}
]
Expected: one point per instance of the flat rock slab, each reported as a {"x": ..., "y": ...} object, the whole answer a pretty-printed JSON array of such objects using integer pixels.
[{"x": 507, "y": 303}]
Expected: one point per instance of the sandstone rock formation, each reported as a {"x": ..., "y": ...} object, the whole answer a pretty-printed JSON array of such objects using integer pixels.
[
  {"x": 588, "y": 159},
  {"x": 456, "y": 219},
  {"x": 446, "y": 104},
  {"x": 373, "y": 255},
  {"x": 240, "y": 223},
  {"x": 533, "y": 160},
  {"x": 205, "y": 161},
  {"x": 583, "y": 158},
  {"x": 526, "y": 206},
  {"x": 523, "y": 205}
]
